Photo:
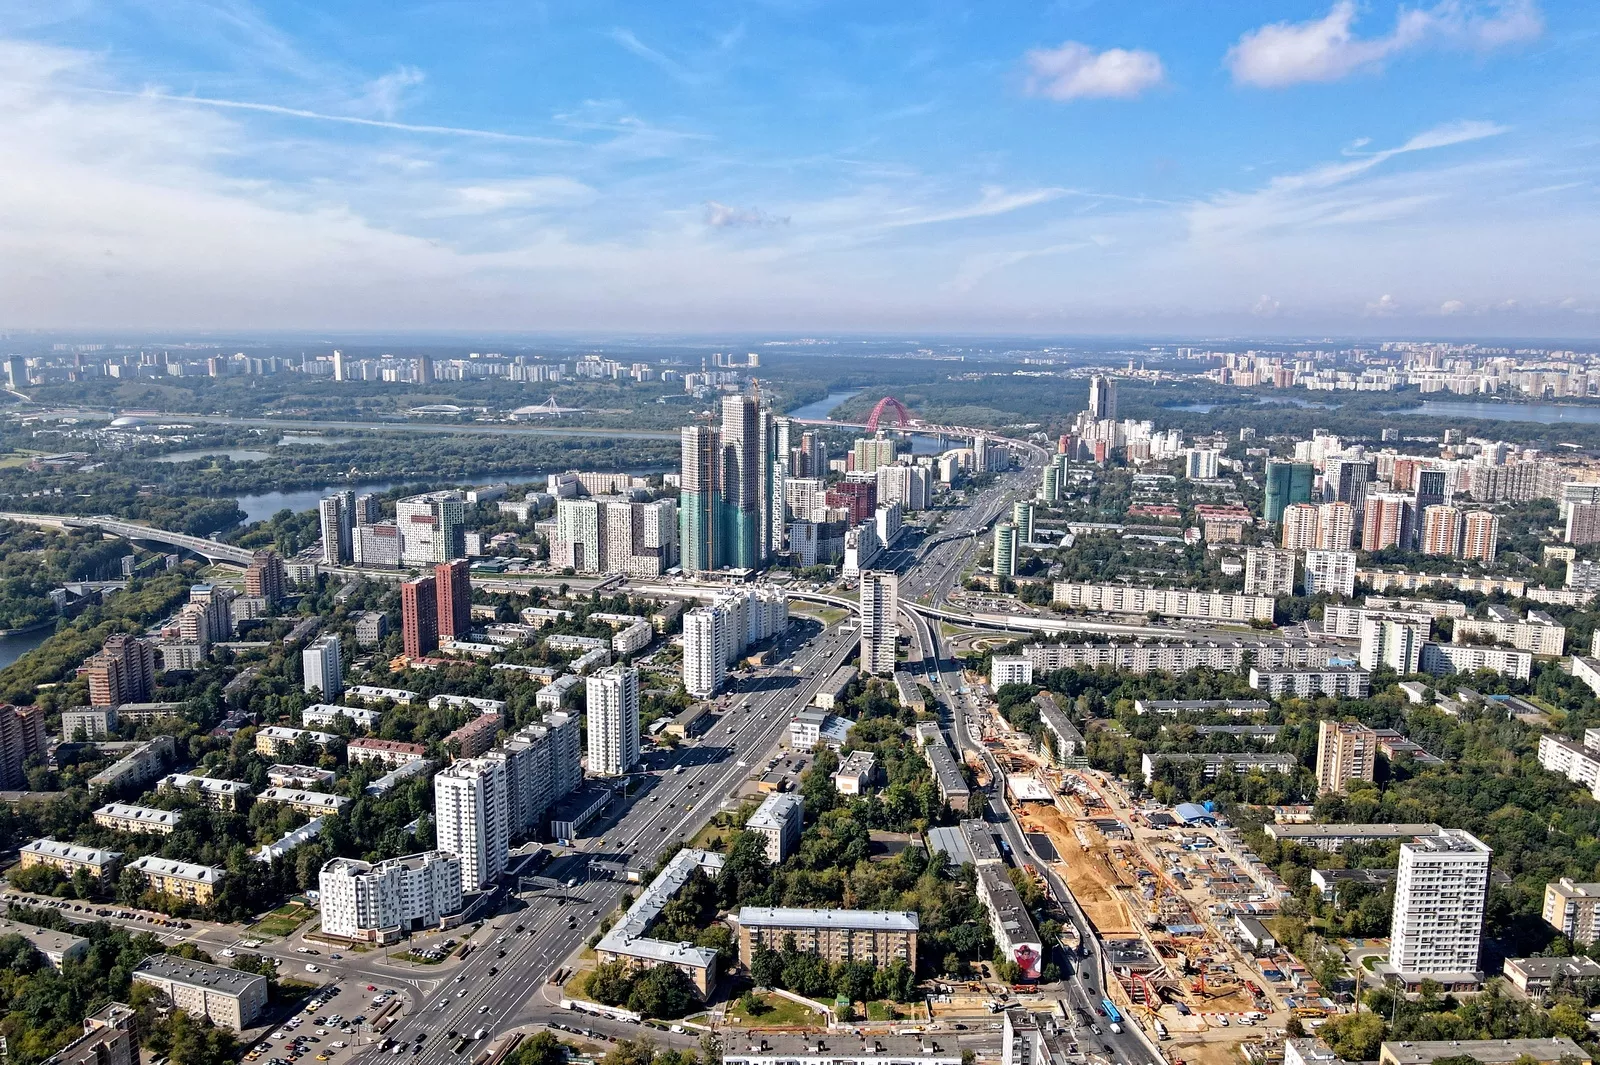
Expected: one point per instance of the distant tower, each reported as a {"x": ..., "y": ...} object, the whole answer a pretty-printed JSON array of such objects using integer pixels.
[
  {"x": 338, "y": 365},
  {"x": 880, "y": 623},
  {"x": 1103, "y": 398}
]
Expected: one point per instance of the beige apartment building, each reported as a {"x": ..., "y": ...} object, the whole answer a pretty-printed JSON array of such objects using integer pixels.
[
  {"x": 1346, "y": 751},
  {"x": 1573, "y": 910},
  {"x": 877, "y": 936}
]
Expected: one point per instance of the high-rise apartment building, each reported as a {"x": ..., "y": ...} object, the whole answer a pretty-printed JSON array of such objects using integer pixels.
[
  {"x": 470, "y": 815},
  {"x": 1442, "y": 528},
  {"x": 613, "y": 711},
  {"x": 1583, "y": 523},
  {"x": 265, "y": 577},
  {"x": 1573, "y": 910},
  {"x": 1286, "y": 483},
  {"x": 1336, "y": 526},
  {"x": 745, "y": 476},
  {"x": 1393, "y": 641},
  {"x": 1299, "y": 527},
  {"x": 1387, "y": 522},
  {"x": 1103, "y": 398},
  {"x": 1440, "y": 893},
  {"x": 22, "y": 736},
  {"x": 1433, "y": 490},
  {"x": 336, "y": 517},
  {"x": 419, "y": 615},
  {"x": 1330, "y": 571},
  {"x": 580, "y": 540},
  {"x": 909, "y": 486},
  {"x": 1004, "y": 563},
  {"x": 324, "y": 669},
  {"x": 453, "y": 585},
  {"x": 705, "y": 656},
  {"x": 1022, "y": 518},
  {"x": 432, "y": 527},
  {"x": 1480, "y": 535},
  {"x": 1201, "y": 463},
  {"x": 381, "y": 903},
  {"x": 123, "y": 671},
  {"x": 1346, "y": 751},
  {"x": 871, "y": 452},
  {"x": 1268, "y": 571},
  {"x": 880, "y": 621},
  {"x": 699, "y": 500}
]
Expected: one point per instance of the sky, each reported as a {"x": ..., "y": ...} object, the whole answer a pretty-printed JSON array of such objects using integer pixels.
[{"x": 1254, "y": 167}]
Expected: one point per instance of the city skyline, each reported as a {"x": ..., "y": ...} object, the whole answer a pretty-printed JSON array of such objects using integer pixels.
[{"x": 1278, "y": 169}]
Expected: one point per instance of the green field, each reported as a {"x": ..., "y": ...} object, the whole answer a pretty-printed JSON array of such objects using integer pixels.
[
  {"x": 773, "y": 1011},
  {"x": 283, "y": 921}
]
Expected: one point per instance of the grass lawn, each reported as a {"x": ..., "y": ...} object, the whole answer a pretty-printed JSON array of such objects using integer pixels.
[
  {"x": 576, "y": 983},
  {"x": 828, "y": 615},
  {"x": 886, "y": 1011},
  {"x": 283, "y": 921},
  {"x": 776, "y": 1011}
]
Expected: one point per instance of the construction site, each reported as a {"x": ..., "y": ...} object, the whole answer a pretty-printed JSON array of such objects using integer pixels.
[{"x": 1165, "y": 896}]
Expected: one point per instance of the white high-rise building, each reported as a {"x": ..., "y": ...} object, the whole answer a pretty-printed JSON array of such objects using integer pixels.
[
  {"x": 324, "y": 669},
  {"x": 707, "y": 632},
  {"x": 432, "y": 527},
  {"x": 380, "y": 903},
  {"x": 1440, "y": 892},
  {"x": 1331, "y": 571},
  {"x": 580, "y": 535},
  {"x": 470, "y": 814},
  {"x": 880, "y": 621},
  {"x": 910, "y": 486},
  {"x": 1201, "y": 464},
  {"x": 1393, "y": 641},
  {"x": 1268, "y": 571},
  {"x": 613, "y": 720}
]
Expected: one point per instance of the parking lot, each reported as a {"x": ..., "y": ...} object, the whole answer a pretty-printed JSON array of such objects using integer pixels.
[{"x": 333, "y": 1025}]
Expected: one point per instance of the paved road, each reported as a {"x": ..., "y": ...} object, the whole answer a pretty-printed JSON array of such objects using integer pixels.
[{"x": 499, "y": 993}]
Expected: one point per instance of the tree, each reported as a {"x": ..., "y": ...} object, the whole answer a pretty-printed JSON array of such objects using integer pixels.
[
  {"x": 1355, "y": 1038},
  {"x": 631, "y": 1052},
  {"x": 663, "y": 991},
  {"x": 766, "y": 967},
  {"x": 542, "y": 1049}
]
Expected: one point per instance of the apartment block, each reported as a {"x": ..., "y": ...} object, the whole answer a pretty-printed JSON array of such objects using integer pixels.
[
  {"x": 1441, "y": 892},
  {"x": 879, "y": 937},
  {"x": 381, "y": 903},
  {"x": 179, "y": 880},
  {"x": 69, "y": 857},
  {"x": 1268, "y": 571},
  {"x": 1537, "y": 632},
  {"x": 778, "y": 820},
  {"x": 215, "y": 792},
  {"x": 125, "y": 817},
  {"x": 1346, "y": 751},
  {"x": 229, "y": 998},
  {"x": 274, "y": 739},
  {"x": 1168, "y": 602},
  {"x": 1339, "y": 682},
  {"x": 1573, "y": 910}
]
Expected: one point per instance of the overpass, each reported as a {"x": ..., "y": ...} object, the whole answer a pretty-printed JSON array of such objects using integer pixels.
[{"x": 211, "y": 550}]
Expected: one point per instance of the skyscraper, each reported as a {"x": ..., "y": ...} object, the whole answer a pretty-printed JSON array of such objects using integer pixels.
[
  {"x": 323, "y": 666},
  {"x": 699, "y": 502},
  {"x": 1440, "y": 894},
  {"x": 453, "y": 583},
  {"x": 1300, "y": 527},
  {"x": 1441, "y": 530},
  {"x": 880, "y": 621},
  {"x": 266, "y": 577},
  {"x": 742, "y": 477},
  {"x": 123, "y": 671},
  {"x": 1004, "y": 563},
  {"x": 336, "y": 521},
  {"x": 432, "y": 527},
  {"x": 613, "y": 709},
  {"x": 1387, "y": 522},
  {"x": 419, "y": 615},
  {"x": 471, "y": 819},
  {"x": 1103, "y": 398},
  {"x": 1022, "y": 518},
  {"x": 1286, "y": 483}
]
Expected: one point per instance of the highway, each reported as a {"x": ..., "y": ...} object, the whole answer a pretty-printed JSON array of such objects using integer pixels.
[{"x": 498, "y": 993}]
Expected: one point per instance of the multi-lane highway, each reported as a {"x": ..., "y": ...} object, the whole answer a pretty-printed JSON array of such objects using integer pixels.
[{"x": 496, "y": 992}]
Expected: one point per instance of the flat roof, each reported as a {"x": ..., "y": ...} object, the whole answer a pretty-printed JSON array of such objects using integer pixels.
[
  {"x": 627, "y": 937},
  {"x": 198, "y": 974},
  {"x": 1388, "y": 831},
  {"x": 855, "y": 920},
  {"x": 1488, "y": 1051},
  {"x": 949, "y": 842},
  {"x": 828, "y": 1048},
  {"x": 857, "y": 762},
  {"x": 945, "y": 769},
  {"x": 774, "y": 811},
  {"x": 1579, "y": 967},
  {"x": 49, "y": 941}
]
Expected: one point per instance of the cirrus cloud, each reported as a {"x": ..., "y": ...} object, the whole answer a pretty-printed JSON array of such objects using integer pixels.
[
  {"x": 1076, "y": 71},
  {"x": 1328, "y": 48}
]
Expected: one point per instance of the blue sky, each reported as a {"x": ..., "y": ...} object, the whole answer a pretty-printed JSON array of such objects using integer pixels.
[{"x": 1284, "y": 167}]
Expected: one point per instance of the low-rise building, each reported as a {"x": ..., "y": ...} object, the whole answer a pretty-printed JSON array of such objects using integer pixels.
[
  {"x": 1534, "y": 976},
  {"x": 57, "y": 947},
  {"x": 1231, "y": 707},
  {"x": 230, "y": 998},
  {"x": 1537, "y": 632},
  {"x": 181, "y": 880},
  {"x": 947, "y": 774},
  {"x": 69, "y": 857},
  {"x": 275, "y": 739},
  {"x": 1333, "y": 837},
  {"x": 327, "y": 715},
  {"x": 778, "y": 820},
  {"x": 856, "y": 773},
  {"x": 626, "y": 940},
  {"x": 108, "y": 1038},
  {"x": 271, "y": 852},
  {"x": 372, "y": 693},
  {"x": 389, "y": 752},
  {"x": 880, "y": 937},
  {"x": 779, "y": 1048},
  {"x": 298, "y": 776},
  {"x": 88, "y": 723},
  {"x": 475, "y": 737},
  {"x": 126, "y": 817},
  {"x": 315, "y": 803},
  {"x": 1484, "y": 1051},
  {"x": 1009, "y": 669},
  {"x": 214, "y": 792},
  {"x": 1015, "y": 937},
  {"x": 136, "y": 768}
]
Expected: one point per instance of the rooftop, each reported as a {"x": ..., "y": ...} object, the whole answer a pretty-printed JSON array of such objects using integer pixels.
[
  {"x": 148, "y": 815},
  {"x": 1487, "y": 1051},
  {"x": 627, "y": 936},
  {"x": 70, "y": 851},
  {"x": 197, "y": 973},
  {"x": 856, "y": 920},
  {"x": 200, "y": 874},
  {"x": 1386, "y": 831},
  {"x": 774, "y": 812},
  {"x": 47, "y": 941}
]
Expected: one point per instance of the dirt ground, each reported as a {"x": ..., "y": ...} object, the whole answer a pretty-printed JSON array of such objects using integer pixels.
[
  {"x": 1204, "y": 1052},
  {"x": 1088, "y": 876}
]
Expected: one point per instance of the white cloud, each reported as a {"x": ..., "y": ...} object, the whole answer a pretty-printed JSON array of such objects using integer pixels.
[
  {"x": 994, "y": 201},
  {"x": 1328, "y": 49},
  {"x": 1384, "y": 306},
  {"x": 1452, "y": 307},
  {"x": 521, "y": 194},
  {"x": 721, "y": 216},
  {"x": 1075, "y": 71},
  {"x": 1266, "y": 307},
  {"x": 384, "y": 95}
]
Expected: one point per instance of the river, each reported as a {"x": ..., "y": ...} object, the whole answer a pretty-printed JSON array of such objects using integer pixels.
[
  {"x": 1544, "y": 413},
  {"x": 14, "y": 647},
  {"x": 820, "y": 409}
]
